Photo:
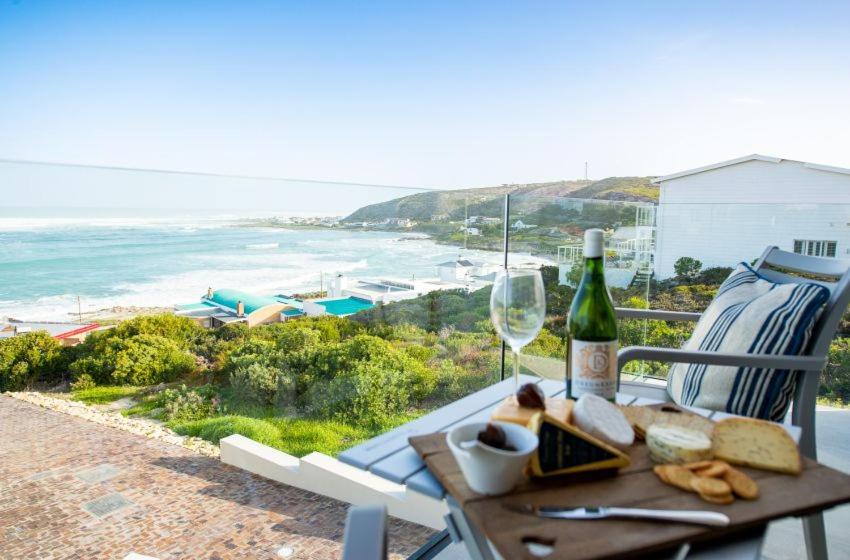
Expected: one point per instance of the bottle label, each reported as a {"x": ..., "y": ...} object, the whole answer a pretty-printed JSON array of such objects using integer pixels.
[{"x": 593, "y": 368}]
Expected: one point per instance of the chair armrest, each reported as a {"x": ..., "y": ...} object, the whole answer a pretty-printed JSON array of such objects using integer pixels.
[
  {"x": 656, "y": 314},
  {"x": 365, "y": 533},
  {"x": 793, "y": 363}
]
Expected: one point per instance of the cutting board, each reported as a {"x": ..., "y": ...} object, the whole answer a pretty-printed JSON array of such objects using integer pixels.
[{"x": 815, "y": 489}]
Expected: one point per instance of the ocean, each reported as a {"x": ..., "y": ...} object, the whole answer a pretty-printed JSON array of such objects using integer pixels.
[{"x": 48, "y": 259}]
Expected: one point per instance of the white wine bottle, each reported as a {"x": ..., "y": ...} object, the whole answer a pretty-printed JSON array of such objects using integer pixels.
[{"x": 592, "y": 328}]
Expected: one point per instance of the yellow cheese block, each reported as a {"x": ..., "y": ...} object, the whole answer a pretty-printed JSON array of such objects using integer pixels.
[
  {"x": 511, "y": 411},
  {"x": 756, "y": 443},
  {"x": 564, "y": 449}
]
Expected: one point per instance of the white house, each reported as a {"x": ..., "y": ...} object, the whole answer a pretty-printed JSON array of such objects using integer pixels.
[
  {"x": 519, "y": 224},
  {"x": 730, "y": 211}
]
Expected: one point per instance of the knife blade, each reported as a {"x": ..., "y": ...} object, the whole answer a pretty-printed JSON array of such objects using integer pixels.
[{"x": 698, "y": 517}]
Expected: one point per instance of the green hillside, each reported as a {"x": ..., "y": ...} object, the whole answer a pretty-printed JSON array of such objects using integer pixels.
[{"x": 487, "y": 201}]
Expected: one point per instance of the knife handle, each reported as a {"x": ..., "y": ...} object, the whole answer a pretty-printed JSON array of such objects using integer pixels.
[{"x": 701, "y": 517}]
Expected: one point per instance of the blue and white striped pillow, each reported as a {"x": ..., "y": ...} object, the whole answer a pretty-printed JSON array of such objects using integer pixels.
[{"x": 750, "y": 314}]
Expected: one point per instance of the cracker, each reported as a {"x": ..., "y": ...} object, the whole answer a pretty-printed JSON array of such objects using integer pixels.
[
  {"x": 680, "y": 477},
  {"x": 710, "y": 486},
  {"x": 698, "y": 465},
  {"x": 723, "y": 500},
  {"x": 714, "y": 470},
  {"x": 742, "y": 485}
]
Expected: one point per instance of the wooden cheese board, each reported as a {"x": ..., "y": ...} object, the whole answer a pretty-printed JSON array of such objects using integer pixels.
[{"x": 817, "y": 488}]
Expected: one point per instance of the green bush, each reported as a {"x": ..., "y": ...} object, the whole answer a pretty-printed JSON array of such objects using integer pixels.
[
  {"x": 29, "y": 357},
  {"x": 83, "y": 382},
  {"x": 186, "y": 405},
  {"x": 835, "y": 382},
  {"x": 256, "y": 382},
  {"x": 142, "y": 359}
]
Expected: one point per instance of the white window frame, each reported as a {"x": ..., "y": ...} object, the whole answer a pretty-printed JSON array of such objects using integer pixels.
[{"x": 816, "y": 247}]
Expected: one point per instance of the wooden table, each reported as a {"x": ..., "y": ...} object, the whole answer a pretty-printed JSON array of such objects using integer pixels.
[{"x": 390, "y": 456}]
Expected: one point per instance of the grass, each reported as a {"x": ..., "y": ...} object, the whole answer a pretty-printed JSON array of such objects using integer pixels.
[
  {"x": 105, "y": 394},
  {"x": 267, "y": 425},
  {"x": 295, "y": 436}
]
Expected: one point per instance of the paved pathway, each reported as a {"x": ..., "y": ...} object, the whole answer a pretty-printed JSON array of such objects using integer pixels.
[{"x": 70, "y": 488}]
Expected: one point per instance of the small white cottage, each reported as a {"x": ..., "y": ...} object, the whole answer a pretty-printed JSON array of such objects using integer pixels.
[{"x": 730, "y": 211}]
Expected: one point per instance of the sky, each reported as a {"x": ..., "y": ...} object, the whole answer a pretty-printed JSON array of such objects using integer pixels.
[{"x": 439, "y": 94}]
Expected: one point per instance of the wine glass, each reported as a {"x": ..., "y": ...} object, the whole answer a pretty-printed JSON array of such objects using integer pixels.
[{"x": 517, "y": 309}]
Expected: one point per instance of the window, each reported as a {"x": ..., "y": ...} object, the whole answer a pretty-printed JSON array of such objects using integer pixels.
[{"x": 815, "y": 248}]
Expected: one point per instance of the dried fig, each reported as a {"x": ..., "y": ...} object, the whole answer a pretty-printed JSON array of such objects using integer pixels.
[{"x": 531, "y": 396}]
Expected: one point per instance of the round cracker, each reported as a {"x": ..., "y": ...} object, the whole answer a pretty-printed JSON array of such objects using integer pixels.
[
  {"x": 723, "y": 500},
  {"x": 680, "y": 477},
  {"x": 710, "y": 486},
  {"x": 714, "y": 470},
  {"x": 742, "y": 485},
  {"x": 698, "y": 465}
]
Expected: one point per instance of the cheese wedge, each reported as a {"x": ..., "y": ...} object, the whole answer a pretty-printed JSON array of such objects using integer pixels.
[
  {"x": 756, "y": 443},
  {"x": 678, "y": 445},
  {"x": 565, "y": 449},
  {"x": 510, "y": 411}
]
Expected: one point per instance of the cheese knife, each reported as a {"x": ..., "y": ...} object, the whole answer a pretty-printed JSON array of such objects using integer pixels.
[{"x": 557, "y": 512}]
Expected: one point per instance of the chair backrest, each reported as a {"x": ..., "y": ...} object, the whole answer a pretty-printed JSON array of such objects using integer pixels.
[{"x": 834, "y": 274}]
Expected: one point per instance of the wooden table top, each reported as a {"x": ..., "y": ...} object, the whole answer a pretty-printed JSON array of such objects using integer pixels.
[{"x": 815, "y": 489}]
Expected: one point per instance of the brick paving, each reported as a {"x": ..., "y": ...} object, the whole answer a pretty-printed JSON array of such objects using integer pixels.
[{"x": 73, "y": 489}]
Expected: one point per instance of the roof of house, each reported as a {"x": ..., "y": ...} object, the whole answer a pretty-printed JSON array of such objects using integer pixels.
[
  {"x": 345, "y": 306},
  {"x": 751, "y": 157},
  {"x": 229, "y": 298},
  {"x": 55, "y": 329}
]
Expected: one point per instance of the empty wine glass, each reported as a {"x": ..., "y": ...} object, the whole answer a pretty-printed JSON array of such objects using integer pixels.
[{"x": 517, "y": 309}]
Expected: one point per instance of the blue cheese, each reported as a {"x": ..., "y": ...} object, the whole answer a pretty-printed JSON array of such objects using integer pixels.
[{"x": 674, "y": 444}]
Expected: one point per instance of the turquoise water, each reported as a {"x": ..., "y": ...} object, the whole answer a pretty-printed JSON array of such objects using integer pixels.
[{"x": 47, "y": 262}]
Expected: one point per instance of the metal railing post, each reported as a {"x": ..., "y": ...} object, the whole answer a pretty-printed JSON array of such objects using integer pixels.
[{"x": 505, "y": 231}]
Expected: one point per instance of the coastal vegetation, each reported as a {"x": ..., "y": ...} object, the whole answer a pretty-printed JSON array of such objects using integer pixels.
[{"x": 326, "y": 383}]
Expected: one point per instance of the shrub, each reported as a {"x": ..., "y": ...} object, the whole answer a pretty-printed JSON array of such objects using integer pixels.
[
  {"x": 687, "y": 267},
  {"x": 256, "y": 381},
  {"x": 835, "y": 382},
  {"x": 83, "y": 382},
  {"x": 27, "y": 358},
  {"x": 143, "y": 359},
  {"x": 173, "y": 327},
  {"x": 186, "y": 405}
]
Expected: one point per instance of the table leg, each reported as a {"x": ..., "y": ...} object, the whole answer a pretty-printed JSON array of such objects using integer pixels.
[{"x": 476, "y": 543}]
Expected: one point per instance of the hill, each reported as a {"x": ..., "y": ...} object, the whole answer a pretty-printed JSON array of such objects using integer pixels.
[{"x": 487, "y": 201}]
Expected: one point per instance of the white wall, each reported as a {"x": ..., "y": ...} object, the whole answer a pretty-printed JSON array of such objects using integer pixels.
[{"x": 728, "y": 215}]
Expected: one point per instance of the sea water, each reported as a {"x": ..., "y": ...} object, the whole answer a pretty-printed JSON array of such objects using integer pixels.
[{"x": 109, "y": 259}]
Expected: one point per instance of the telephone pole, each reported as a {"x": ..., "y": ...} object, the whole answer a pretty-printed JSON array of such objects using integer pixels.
[{"x": 585, "y": 171}]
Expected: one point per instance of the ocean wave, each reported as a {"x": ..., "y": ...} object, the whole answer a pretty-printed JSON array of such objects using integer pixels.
[{"x": 262, "y": 245}]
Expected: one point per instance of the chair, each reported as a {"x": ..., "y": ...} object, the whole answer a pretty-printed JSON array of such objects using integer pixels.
[
  {"x": 778, "y": 266},
  {"x": 365, "y": 533}
]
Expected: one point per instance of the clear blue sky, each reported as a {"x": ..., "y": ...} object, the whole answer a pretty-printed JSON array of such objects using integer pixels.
[{"x": 442, "y": 94}]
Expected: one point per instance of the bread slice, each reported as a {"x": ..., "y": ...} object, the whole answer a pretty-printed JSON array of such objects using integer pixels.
[{"x": 756, "y": 443}]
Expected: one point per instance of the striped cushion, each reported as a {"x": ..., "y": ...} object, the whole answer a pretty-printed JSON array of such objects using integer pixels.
[{"x": 750, "y": 314}]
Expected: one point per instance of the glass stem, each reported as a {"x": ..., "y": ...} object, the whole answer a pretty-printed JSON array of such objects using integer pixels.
[{"x": 516, "y": 370}]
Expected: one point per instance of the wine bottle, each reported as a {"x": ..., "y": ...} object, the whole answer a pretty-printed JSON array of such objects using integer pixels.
[{"x": 592, "y": 328}]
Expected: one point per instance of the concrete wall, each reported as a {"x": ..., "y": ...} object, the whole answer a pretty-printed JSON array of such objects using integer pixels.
[
  {"x": 327, "y": 476},
  {"x": 264, "y": 315},
  {"x": 728, "y": 215}
]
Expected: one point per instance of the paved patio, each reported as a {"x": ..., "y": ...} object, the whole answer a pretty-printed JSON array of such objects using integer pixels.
[{"x": 70, "y": 488}]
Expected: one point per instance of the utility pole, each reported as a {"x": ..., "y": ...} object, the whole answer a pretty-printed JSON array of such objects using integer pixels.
[
  {"x": 585, "y": 171},
  {"x": 79, "y": 310},
  {"x": 321, "y": 283}
]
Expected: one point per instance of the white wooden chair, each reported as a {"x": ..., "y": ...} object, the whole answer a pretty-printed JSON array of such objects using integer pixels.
[{"x": 778, "y": 266}]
